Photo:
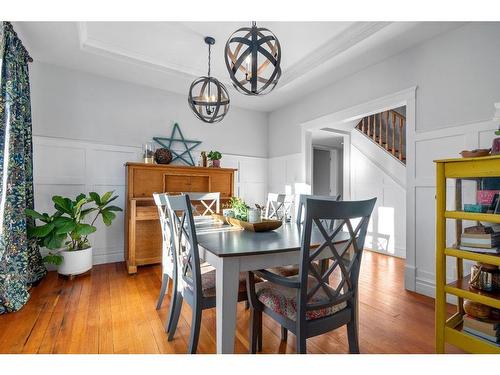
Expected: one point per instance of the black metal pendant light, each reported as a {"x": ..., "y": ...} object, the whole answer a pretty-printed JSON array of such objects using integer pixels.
[
  {"x": 253, "y": 56},
  {"x": 208, "y": 98}
]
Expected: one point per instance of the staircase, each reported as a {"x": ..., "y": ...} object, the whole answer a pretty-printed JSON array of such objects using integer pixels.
[{"x": 388, "y": 130}]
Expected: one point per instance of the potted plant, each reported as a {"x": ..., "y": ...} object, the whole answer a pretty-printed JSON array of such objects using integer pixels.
[
  {"x": 65, "y": 232},
  {"x": 215, "y": 157},
  {"x": 240, "y": 208}
]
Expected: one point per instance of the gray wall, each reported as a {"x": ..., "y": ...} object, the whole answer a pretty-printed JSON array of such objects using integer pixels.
[
  {"x": 457, "y": 75},
  {"x": 76, "y": 105}
]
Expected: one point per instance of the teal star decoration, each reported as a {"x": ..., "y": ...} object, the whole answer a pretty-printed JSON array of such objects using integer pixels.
[{"x": 185, "y": 156}]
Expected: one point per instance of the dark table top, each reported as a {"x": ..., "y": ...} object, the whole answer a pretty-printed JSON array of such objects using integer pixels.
[{"x": 225, "y": 241}]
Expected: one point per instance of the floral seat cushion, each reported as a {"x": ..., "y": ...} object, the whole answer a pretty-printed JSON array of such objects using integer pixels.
[
  {"x": 283, "y": 300},
  {"x": 286, "y": 271},
  {"x": 208, "y": 280}
]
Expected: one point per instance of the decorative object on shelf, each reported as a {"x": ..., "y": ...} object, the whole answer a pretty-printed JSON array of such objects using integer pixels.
[
  {"x": 475, "y": 153},
  {"x": 253, "y": 57},
  {"x": 495, "y": 147},
  {"x": 476, "y": 309},
  {"x": 486, "y": 196},
  {"x": 494, "y": 207},
  {"x": 469, "y": 207},
  {"x": 65, "y": 233},
  {"x": 148, "y": 153},
  {"x": 484, "y": 277},
  {"x": 215, "y": 157},
  {"x": 163, "y": 155},
  {"x": 228, "y": 212},
  {"x": 189, "y": 145},
  {"x": 208, "y": 97}
]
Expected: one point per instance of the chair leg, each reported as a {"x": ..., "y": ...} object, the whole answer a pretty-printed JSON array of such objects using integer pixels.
[
  {"x": 195, "y": 329},
  {"x": 254, "y": 331},
  {"x": 352, "y": 332},
  {"x": 170, "y": 317},
  {"x": 175, "y": 317},
  {"x": 301, "y": 344},
  {"x": 163, "y": 290},
  {"x": 284, "y": 334},
  {"x": 259, "y": 333}
]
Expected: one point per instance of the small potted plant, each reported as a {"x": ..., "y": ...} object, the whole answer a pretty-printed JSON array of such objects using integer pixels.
[
  {"x": 215, "y": 157},
  {"x": 65, "y": 232},
  {"x": 240, "y": 208}
]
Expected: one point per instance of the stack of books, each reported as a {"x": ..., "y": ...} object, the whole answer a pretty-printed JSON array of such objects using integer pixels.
[
  {"x": 486, "y": 329},
  {"x": 481, "y": 242}
]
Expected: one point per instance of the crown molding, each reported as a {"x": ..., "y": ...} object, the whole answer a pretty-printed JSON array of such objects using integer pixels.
[
  {"x": 332, "y": 47},
  {"x": 352, "y": 35}
]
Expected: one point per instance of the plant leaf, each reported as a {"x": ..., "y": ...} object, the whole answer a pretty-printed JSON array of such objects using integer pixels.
[
  {"x": 105, "y": 197},
  {"x": 55, "y": 259},
  {"x": 95, "y": 197},
  {"x": 54, "y": 241},
  {"x": 79, "y": 197},
  {"x": 63, "y": 204},
  {"x": 41, "y": 231},
  {"x": 66, "y": 228},
  {"x": 84, "y": 229},
  {"x": 113, "y": 208},
  {"x": 107, "y": 217},
  {"x": 35, "y": 215}
]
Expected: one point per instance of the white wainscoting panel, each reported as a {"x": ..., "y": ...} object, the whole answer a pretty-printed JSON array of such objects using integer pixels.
[{"x": 69, "y": 167}]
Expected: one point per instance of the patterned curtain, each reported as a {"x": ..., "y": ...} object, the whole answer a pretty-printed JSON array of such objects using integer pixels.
[{"x": 20, "y": 260}]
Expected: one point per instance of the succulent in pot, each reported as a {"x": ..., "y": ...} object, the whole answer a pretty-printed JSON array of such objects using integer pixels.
[
  {"x": 215, "y": 157},
  {"x": 65, "y": 233}
]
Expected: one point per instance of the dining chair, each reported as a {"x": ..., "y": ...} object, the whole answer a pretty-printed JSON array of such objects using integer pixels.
[
  {"x": 168, "y": 263},
  {"x": 302, "y": 200},
  {"x": 277, "y": 206},
  {"x": 312, "y": 303},
  {"x": 209, "y": 201},
  {"x": 196, "y": 280}
]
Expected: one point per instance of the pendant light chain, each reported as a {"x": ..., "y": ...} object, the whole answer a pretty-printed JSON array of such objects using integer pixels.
[{"x": 209, "y": 57}]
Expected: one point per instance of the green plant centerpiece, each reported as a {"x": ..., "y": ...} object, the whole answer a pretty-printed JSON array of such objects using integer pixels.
[
  {"x": 215, "y": 157},
  {"x": 240, "y": 208},
  {"x": 66, "y": 232}
]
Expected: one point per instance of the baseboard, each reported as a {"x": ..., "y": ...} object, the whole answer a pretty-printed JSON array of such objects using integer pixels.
[
  {"x": 108, "y": 258},
  {"x": 428, "y": 288}
]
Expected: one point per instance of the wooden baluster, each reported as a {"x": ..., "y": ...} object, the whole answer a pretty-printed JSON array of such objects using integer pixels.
[
  {"x": 393, "y": 134},
  {"x": 387, "y": 130},
  {"x": 401, "y": 139},
  {"x": 374, "y": 135},
  {"x": 363, "y": 127},
  {"x": 380, "y": 129},
  {"x": 369, "y": 126}
]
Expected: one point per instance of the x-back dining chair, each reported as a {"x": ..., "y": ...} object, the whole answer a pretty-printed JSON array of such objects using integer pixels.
[
  {"x": 168, "y": 262},
  {"x": 312, "y": 303},
  {"x": 196, "y": 280},
  {"x": 209, "y": 201},
  {"x": 278, "y": 206}
]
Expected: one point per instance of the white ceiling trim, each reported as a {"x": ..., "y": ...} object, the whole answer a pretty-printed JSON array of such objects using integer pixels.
[
  {"x": 352, "y": 35},
  {"x": 95, "y": 46}
]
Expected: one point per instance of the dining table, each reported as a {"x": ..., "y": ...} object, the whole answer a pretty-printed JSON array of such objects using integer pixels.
[{"x": 231, "y": 250}]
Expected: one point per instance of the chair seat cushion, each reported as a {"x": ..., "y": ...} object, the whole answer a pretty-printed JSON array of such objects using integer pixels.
[
  {"x": 208, "y": 281},
  {"x": 286, "y": 271},
  {"x": 283, "y": 300}
]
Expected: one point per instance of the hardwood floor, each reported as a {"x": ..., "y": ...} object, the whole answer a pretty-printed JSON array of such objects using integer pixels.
[{"x": 109, "y": 311}]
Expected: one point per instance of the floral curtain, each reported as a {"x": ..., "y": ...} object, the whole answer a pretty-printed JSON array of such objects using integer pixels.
[{"x": 20, "y": 261}]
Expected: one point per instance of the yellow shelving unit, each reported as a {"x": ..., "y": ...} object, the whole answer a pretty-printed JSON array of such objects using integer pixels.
[{"x": 449, "y": 330}]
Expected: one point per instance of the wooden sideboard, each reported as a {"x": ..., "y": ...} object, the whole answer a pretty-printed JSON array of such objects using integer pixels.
[{"x": 142, "y": 228}]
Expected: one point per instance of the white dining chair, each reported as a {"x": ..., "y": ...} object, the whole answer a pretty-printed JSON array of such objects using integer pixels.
[
  {"x": 278, "y": 206},
  {"x": 209, "y": 201}
]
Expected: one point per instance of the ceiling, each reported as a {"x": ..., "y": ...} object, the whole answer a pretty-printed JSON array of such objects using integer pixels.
[{"x": 169, "y": 55}]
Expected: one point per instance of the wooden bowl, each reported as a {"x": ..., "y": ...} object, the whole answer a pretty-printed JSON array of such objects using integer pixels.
[
  {"x": 475, "y": 153},
  {"x": 263, "y": 226},
  {"x": 476, "y": 309}
]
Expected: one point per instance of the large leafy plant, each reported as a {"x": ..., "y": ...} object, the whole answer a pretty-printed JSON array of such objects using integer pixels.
[{"x": 68, "y": 226}]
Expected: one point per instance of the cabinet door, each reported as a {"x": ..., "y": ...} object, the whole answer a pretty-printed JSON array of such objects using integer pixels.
[
  {"x": 146, "y": 182},
  {"x": 177, "y": 183},
  {"x": 222, "y": 182}
]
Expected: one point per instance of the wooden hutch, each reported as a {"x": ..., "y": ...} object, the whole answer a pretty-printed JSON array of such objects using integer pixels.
[{"x": 143, "y": 241}]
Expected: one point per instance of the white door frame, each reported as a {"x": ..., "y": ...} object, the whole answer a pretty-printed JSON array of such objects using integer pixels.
[{"x": 342, "y": 120}]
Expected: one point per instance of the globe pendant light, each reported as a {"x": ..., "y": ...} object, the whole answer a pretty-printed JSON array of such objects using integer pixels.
[
  {"x": 253, "y": 56},
  {"x": 208, "y": 98}
]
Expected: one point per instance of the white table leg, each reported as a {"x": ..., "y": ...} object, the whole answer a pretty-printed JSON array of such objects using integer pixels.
[{"x": 227, "y": 280}]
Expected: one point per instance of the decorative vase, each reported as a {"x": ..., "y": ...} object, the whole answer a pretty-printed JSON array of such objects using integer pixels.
[
  {"x": 254, "y": 215},
  {"x": 216, "y": 163},
  {"x": 75, "y": 262},
  {"x": 495, "y": 147},
  {"x": 148, "y": 153}
]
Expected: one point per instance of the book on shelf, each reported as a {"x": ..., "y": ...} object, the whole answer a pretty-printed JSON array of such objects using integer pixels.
[
  {"x": 488, "y": 327},
  {"x": 489, "y": 338},
  {"x": 489, "y": 240},
  {"x": 488, "y": 250}
]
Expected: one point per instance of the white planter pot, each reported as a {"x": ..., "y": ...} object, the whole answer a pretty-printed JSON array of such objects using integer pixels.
[{"x": 75, "y": 262}]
